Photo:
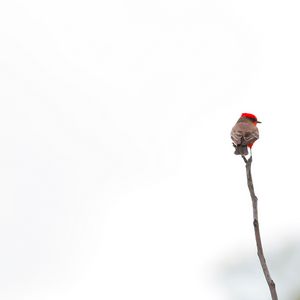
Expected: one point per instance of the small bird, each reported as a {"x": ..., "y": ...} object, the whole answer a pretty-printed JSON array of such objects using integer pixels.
[{"x": 244, "y": 133}]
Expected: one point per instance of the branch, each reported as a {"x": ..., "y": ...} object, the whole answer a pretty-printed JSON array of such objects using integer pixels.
[{"x": 260, "y": 252}]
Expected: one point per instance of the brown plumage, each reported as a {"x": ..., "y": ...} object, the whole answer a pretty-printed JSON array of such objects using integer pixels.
[{"x": 244, "y": 133}]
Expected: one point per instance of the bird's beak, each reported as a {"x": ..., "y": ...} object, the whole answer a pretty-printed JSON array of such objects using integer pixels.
[{"x": 258, "y": 122}]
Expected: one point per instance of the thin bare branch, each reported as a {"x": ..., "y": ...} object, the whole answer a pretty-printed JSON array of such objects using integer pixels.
[{"x": 260, "y": 252}]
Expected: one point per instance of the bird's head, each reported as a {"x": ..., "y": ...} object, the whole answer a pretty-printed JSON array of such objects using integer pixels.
[{"x": 250, "y": 117}]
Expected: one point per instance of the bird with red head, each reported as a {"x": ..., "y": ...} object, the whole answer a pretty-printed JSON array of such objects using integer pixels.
[{"x": 244, "y": 133}]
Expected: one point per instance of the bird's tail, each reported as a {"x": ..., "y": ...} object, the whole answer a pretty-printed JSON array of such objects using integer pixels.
[{"x": 241, "y": 150}]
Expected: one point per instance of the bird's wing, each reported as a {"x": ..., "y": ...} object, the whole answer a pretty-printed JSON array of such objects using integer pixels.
[
  {"x": 236, "y": 136},
  {"x": 251, "y": 136}
]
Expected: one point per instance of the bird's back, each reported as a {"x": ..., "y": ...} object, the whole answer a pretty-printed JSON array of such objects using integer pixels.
[{"x": 244, "y": 132}]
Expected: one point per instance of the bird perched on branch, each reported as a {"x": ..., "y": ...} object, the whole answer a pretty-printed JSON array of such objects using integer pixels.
[{"x": 244, "y": 133}]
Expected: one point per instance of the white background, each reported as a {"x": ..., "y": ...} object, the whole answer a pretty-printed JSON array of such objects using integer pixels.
[{"x": 118, "y": 179}]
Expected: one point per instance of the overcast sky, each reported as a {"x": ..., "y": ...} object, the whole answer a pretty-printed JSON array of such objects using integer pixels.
[{"x": 118, "y": 179}]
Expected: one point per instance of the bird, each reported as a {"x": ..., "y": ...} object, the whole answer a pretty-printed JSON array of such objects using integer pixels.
[{"x": 244, "y": 133}]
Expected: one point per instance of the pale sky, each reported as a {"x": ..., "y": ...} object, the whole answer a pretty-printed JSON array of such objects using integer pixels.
[{"x": 118, "y": 179}]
